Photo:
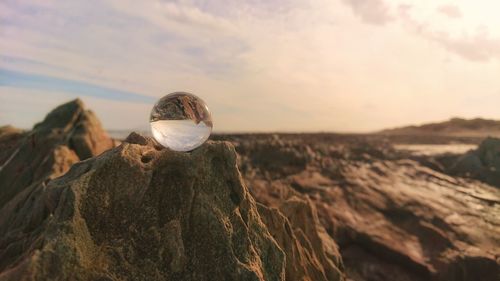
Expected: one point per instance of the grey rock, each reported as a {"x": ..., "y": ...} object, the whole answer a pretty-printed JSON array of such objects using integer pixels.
[{"x": 482, "y": 164}]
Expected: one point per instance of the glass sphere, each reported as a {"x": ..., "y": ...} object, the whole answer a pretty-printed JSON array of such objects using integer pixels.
[{"x": 181, "y": 121}]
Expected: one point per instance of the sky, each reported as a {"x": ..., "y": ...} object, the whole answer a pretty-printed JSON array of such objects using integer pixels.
[{"x": 319, "y": 65}]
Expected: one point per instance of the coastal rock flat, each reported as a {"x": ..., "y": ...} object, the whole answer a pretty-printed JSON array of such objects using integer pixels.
[
  {"x": 394, "y": 219},
  {"x": 139, "y": 213}
]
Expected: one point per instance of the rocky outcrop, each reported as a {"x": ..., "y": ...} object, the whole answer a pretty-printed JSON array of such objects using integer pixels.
[
  {"x": 140, "y": 213},
  {"x": 68, "y": 134},
  {"x": 393, "y": 218},
  {"x": 482, "y": 163}
]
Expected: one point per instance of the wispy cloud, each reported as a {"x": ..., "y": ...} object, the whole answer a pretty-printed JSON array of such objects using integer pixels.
[
  {"x": 371, "y": 11},
  {"x": 260, "y": 65},
  {"x": 478, "y": 47},
  {"x": 451, "y": 11},
  {"x": 475, "y": 44}
]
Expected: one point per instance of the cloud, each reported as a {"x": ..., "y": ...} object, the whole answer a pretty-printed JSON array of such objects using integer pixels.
[
  {"x": 260, "y": 65},
  {"x": 475, "y": 46},
  {"x": 479, "y": 47},
  {"x": 370, "y": 11},
  {"x": 102, "y": 43},
  {"x": 450, "y": 11},
  {"x": 116, "y": 50}
]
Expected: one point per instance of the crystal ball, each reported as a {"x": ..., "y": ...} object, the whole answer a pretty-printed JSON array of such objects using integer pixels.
[{"x": 181, "y": 121}]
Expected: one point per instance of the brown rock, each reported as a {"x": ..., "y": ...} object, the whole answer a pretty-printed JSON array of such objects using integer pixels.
[
  {"x": 68, "y": 134},
  {"x": 393, "y": 219},
  {"x": 136, "y": 138},
  {"x": 88, "y": 138},
  {"x": 311, "y": 254},
  {"x": 303, "y": 216},
  {"x": 138, "y": 213}
]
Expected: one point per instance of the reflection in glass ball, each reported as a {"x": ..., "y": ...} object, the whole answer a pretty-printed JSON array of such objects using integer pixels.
[{"x": 181, "y": 121}]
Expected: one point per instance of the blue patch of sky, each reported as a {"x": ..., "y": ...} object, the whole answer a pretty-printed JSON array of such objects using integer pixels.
[
  {"x": 15, "y": 60},
  {"x": 19, "y": 79}
]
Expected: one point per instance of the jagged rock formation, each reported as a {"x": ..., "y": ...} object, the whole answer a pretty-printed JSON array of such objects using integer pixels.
[
  {"x": 393, "y": 218},
  {"x": 141, "y": 212},
  {"x": 68, "y": 134},
  {"x": 482, "y": 164},
  {"x": 137, "y": 212}
]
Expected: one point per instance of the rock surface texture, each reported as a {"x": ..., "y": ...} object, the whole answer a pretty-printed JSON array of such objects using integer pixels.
[
  {"x": 393, "y": 218},
  {"x": 310, "y": 253},
  {"x": 138, "y": 213}
]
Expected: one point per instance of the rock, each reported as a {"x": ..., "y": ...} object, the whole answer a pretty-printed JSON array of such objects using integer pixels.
[
  {"x": 482, "y": 164},
  {"x": 311, "y": 254},
  {"x": 277, "y": 158},
  {"x": 88, "y": 138},
  {"x": 142, "y": 212},
  {"x": 9, "y": 139},
  {"x": 303, "y": 216},
  {"x": 420, "y": 220},
  {"x": 142, "y": 140},
  {"x": 67, "y": 135},
  {"x": 139, "y": 213},
  {"x": 489, "y": 152},
  {"x": 79, "y": 127},
  {"x": 393, "y": 219}
]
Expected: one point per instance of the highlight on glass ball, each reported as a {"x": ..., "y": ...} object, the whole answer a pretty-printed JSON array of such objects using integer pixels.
[{"x": 181, "y": 121}]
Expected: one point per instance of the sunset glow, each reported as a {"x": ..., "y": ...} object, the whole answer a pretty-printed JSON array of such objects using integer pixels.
[{"x": 344, "y": 65}]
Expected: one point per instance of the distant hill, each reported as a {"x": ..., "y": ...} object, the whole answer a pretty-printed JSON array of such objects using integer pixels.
[{"x": 459, "y": 127}]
